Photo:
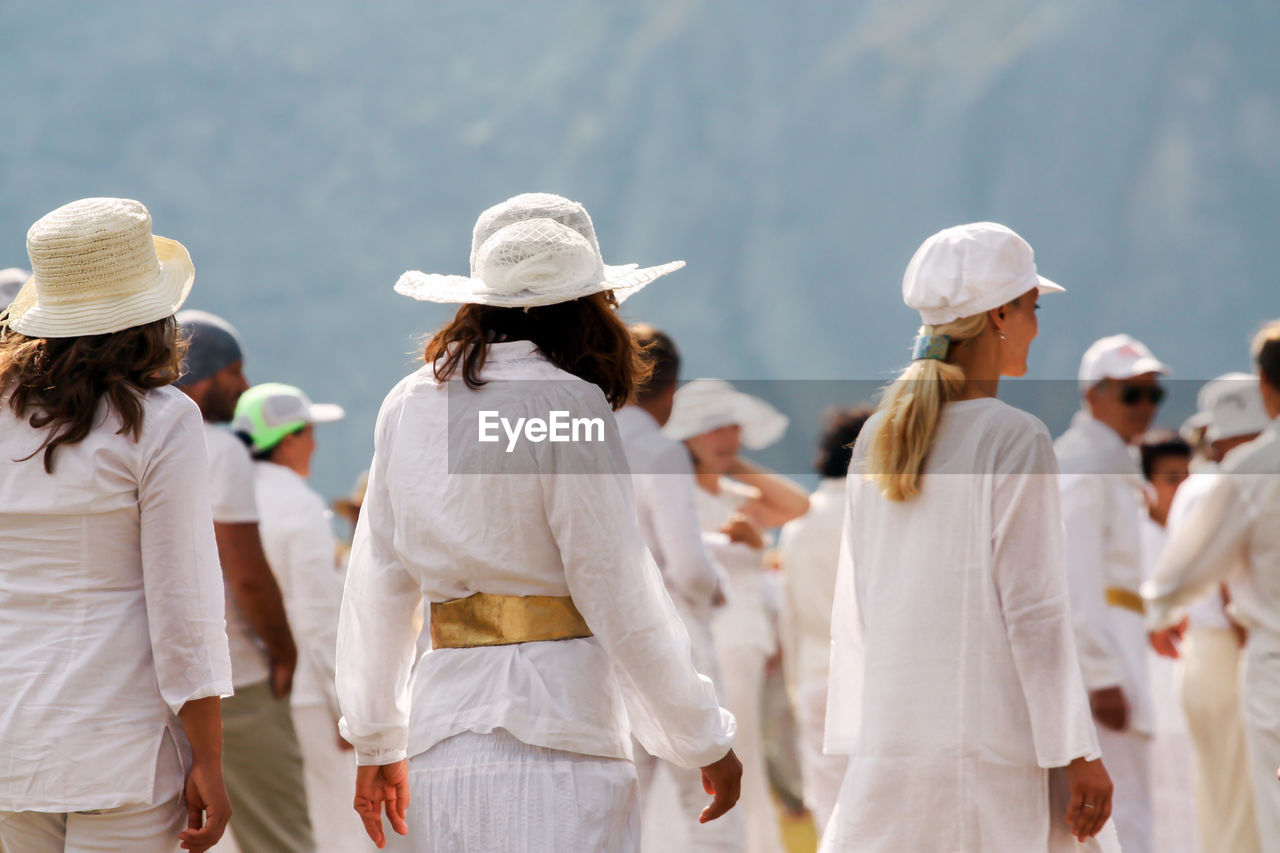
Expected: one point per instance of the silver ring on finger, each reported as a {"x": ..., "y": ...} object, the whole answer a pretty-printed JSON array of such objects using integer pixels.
[{"x": 1088, "y": 805}]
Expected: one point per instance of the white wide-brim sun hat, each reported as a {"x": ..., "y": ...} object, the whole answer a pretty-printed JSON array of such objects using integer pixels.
[
  {"x": 703, "y": 405},
  {"x": 98, "y": 269},
  {"x": 531, "y": 250}
]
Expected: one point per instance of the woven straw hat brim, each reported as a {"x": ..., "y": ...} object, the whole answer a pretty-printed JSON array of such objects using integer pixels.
[
  {"x": 624, "y": 281},
  {"x": 108, "y": 312}
]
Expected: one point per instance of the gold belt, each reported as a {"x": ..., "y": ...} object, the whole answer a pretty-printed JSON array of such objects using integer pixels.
[
  {"x": 1118, "y": 596},
  {"x": 484, "y": 619}
]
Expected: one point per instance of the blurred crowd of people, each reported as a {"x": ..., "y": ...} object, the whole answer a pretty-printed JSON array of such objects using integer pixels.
[{"x": 981, "y": 633}]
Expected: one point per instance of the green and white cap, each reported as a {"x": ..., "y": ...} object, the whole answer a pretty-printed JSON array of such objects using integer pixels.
[{"x": 268, "y": 412}]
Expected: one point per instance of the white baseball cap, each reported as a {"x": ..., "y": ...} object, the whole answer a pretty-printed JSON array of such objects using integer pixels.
[
  {"x": 1230, "y": 406},
  {"x": 1117, "y": 357},
  {"x": 967, "y": 269}
]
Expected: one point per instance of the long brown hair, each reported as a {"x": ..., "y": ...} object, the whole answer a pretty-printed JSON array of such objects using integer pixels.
[
  {"x": 585, "y": 337},
  {"x": 57, "y": 383}
]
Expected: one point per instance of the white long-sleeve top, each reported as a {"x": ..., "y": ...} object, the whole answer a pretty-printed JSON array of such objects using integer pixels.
[
  {"x": 663, "y": 475},
  {"x": 1232, "y": 534},
  {"x": 111, "y": 607},
  {"x": 1102, "y": 508},
  {"x": 954, "y": 678},
  {"x": 298, "y": 541},
  {"x": 446, "y": 516},
  {"x": 1209, "y": 611},
  {"x": 809, "y": 548},
  {"x": 744, "y": 619}
]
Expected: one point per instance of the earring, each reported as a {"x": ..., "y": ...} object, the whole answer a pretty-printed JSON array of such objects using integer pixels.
[{"x": 1002, "y": 336}]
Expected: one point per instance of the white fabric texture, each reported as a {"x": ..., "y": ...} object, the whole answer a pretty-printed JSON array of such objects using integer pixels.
[
  {"x": 110, "y": 606},
  {"x": 492, "y": 793},
  {"x": 822, "y": 773},
  {"x": 232, "y": 493},
  {"x": 546, "y": 519},
  {"x": 300, "y": 549},
  {"x": 329, "y": 774},
  {"x": 1209, "y": 611},
  {"x": 955, "y": 684},
  {"x": 744, "y": 638},
  {"x": 1102, "y": 508},
  {"x": 1173, "y": 813}
]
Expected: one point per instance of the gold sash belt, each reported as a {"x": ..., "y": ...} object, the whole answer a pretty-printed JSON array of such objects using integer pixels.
[
  {"x": 1118, "y": 596},
  {"x": 484, "y": 619}
]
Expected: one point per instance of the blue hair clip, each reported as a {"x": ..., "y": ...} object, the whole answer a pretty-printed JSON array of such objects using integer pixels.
[{"x": 931, "y": 346}]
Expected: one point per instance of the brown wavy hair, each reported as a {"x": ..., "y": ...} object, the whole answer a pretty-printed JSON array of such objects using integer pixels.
[
  {"x": 585, "y": 337},
  {"x": 57, "y": 383}
]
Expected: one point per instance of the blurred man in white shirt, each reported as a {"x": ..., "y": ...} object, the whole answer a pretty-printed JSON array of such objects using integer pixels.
[{"x": 1102, "y": 509}]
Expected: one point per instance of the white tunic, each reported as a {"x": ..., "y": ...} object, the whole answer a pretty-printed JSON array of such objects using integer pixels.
[
  {"x": 1102, "y": 508},
  {"x": 110, "y": 608},
  {"x": 446, "y": 516},
  {"x": 954, "y": 678},
  {"x": 808, "y": 548}
]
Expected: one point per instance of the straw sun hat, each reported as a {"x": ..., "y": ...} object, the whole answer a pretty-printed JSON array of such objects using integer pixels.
[
  {"x": 533, "y": 249},
  {"x": 97, "y": 269}
]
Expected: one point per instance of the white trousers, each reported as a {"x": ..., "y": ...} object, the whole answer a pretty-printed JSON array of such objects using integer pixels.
[
  {"x": 742, "y": 667},
  {"x": 1209, "y": 692},
  {"x": 1127, "y": 756},
  {"x": 491, "y": 793},
  {"x": 1260, "y": 701},
  {"x": 822, "y": 773}
]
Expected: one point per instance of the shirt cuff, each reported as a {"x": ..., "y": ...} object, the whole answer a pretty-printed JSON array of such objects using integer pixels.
[
  {"x": 214, "y": 688},
  {"x": 379, "y": 757}
]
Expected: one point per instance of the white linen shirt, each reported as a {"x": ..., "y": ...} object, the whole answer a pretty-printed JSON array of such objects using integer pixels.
[
  {"x": 663, "y": 475},
  {"x": 231, "y": 490},
  {"x": 1102, "y": 508},
  {"x": 809, "y": 548},
  {"x": 954, "y": 678},
  {"x": 300, "y": 548},
  {"x": 110, "y": 608},
  {"x": 446, "y": 517},
  {"x": 1232, "y": 534},
  {"x": 1209, "y": 611}
]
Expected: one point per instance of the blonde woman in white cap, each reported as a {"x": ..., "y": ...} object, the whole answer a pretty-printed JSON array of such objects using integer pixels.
[
  {"x": 552, "y": 634},
  {"x": 955, "y": 686},
  {"x": 737, "y": 501},
  {"x": 1232, "y": 534},
  {"x": 1103, "y": 506},
  {"x": 277, "y": 422},
  {"x": 111, "y": 606}
]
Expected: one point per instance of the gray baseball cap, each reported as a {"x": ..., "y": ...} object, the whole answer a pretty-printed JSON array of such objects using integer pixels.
[{"x": 214, "y": 344}]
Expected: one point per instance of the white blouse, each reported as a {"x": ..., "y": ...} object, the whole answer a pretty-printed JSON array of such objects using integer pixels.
[
  {"x": 954, "y": 677},
  {"x": 111, "y": 608},
  {"x": 446, "y": 516}
]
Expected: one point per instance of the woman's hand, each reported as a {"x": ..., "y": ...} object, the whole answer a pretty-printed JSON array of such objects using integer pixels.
[
  {"x": 379, "y": 786},
  {"x": 1090, "y": 805},
  {"x": 743, "y": 530},
  {"x": 208, "y": 808}
]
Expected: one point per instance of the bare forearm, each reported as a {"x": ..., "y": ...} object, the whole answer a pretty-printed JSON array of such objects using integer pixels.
[
  {"x": 202, "y": 722},
  {"x": 254, "y": 588},
  {"x": 780, "y": 498}
]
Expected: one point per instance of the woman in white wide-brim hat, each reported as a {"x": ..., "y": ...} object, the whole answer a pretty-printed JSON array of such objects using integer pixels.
[
  {"x": 111, "y": 601},
  {"x": 955, "y": 686},
  {"x": 737, "y": 502},
  {"x": 552, "y": 634}
]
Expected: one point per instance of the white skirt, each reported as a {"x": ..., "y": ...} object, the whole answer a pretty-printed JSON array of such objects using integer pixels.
[{"x": 491, "y": 793}]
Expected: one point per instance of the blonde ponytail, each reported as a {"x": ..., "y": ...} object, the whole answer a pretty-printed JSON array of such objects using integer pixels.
[{"x": 912, "y": 406}]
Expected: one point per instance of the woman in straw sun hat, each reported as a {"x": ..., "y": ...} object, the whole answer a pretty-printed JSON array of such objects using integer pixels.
[
  {"x": 552, "y": 634},
  {"x": 737, "y": 501},
  {"x": 955, "y": 686},
  {"x": 111, "y": 602}
]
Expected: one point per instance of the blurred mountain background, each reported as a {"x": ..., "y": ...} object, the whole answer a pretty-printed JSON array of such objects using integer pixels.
[{"x": 794, "y": 154}]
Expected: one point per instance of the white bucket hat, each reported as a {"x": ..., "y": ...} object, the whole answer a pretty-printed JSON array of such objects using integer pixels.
[
  {"x": 704, "y": 405},
  {"x": 1229, "y": 406},
  {"x": 530, "y": 250},
  {"x": 967, "y": 269},
  {"x": 97, "y": 269}
]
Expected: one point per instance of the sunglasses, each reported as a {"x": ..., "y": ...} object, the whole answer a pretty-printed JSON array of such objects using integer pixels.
[{"x": 1132, "y": 395}]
